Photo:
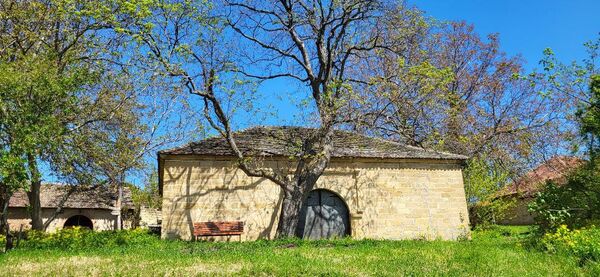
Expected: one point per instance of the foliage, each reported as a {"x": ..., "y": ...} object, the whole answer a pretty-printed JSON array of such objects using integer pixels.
[
  {"x": 569, "y": 83},
  {"x": 69, "y": 102},
  {"x": 577, "y": 203},
  {"x": 32, "y": 100},
  {"x": 446, "y": 87},
  {"x": 589, "y": 118},
  {"x": 549, "y": 207},
  {"x": 574, "y": 204},
  {"x": 78, "y": 238},
  {"x": 583, "y": 243},
  {"x": 483, "y": 214},
  {"x": 482, "y": 182},
  {"x": 496, "y": 251},
  {"x": 148, "y": 196}
]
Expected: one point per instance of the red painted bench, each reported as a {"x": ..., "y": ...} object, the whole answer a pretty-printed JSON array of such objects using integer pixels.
[{"x": 218, "y": 228}]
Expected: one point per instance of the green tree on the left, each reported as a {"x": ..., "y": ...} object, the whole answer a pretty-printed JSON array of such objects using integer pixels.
[{"x": 62, "y": 105}]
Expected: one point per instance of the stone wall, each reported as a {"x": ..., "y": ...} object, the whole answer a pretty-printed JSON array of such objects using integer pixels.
[
  {"x": 149, "y": 216},
  {"x": 101, "y": 219},
  {"x": 387, "y": 199}
]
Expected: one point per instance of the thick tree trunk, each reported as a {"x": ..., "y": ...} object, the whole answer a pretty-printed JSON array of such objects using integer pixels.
[
  {"x": 307, "y": 174},
  {"x": 294, "y": 197},
  {"x": 4, "y": 198},
  {"x": 290, "y": 213},
  {"x": 33, "y": 195},
  {"x": 35, "y": 206},
  {"x": 4, "y": 228}
]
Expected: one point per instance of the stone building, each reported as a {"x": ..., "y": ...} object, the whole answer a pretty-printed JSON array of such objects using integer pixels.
[
  {"x": 93, "y": 208},
  {"x": 524, "y": 189},
  {"x": 150, "y": 217},
  {"x": 373, "y": 188}
]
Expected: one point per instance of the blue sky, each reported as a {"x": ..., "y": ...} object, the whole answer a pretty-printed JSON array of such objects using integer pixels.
[{"x": 526, "y": 27}]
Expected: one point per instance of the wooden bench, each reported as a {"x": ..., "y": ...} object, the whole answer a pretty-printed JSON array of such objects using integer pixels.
[{"x": 218, "y": 228}]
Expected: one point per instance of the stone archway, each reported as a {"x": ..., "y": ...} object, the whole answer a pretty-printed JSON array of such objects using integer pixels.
[
  {"x": 79, "y": 220},
  {"x": 324, "y": 215}
]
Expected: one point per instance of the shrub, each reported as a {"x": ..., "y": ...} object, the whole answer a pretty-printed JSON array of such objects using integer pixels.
[
  {"x": 486, "y": 214},
  {"x": 81, "y": 238},
  {"x": 483, "y": 179},
  {"x": 583, "y": 243},
  {"x": 576, "y": 204},
  {"x": 2, "y": 241}
]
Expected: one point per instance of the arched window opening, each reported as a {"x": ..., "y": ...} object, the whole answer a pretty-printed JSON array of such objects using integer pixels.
[{"x": 79, "y": 220}]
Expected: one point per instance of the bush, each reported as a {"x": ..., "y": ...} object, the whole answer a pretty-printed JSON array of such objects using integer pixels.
[
  {"x": 2, "y": 241},
  {"x": 487, "y": 213},
  {"x": 81, "y": 238},
  {"x": 483, "y": 179},
  {"x": 575, "y": 204},
  {"x": 583, "y": 243}
]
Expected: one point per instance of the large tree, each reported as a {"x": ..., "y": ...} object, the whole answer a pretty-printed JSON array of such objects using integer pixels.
[
  {"x": 63, "y": 103},
  {"x": 445, "y": 87},
  {"x": 214, "y": 52}
]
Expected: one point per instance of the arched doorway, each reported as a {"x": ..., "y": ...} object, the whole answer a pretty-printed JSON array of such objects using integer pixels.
[
  {"x": 79, "y": 220},
  {"x": 323, "y": 215}
]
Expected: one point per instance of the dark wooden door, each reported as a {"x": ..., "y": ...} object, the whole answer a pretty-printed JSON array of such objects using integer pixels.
[{"x": 324, "y": 215}]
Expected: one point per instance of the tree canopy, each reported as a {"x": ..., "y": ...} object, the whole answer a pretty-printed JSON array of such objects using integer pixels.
[{"x": 68, "y": 101}]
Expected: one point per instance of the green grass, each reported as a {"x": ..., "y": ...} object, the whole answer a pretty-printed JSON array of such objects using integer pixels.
[{"x": 497, "y": 252}]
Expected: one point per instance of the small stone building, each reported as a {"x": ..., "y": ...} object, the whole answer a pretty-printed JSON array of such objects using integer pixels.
[
  {"x": 150, "y": 217},
  {"x": 373, "y": 188},
  {"x": 524, "y": 190},
  {"x": 94, "y": 208}
]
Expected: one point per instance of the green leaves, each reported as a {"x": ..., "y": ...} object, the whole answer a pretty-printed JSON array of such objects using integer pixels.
[
  {"x": 61, "y": 101},
  {"x": 589, "y": 117},
  {"x": 482, "y": 183},
  {"x": 33, "y": 99},
  {"x": 576, "y": 203}
]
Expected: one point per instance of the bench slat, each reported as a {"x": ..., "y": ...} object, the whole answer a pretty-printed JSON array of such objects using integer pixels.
[{"x": 218, "y": 228}]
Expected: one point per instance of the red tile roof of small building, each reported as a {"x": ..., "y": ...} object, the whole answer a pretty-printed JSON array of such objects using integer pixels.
[{"x": 556, "y": 169}]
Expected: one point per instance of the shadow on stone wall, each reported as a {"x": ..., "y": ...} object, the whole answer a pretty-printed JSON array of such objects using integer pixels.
[{"x": 223, "y": 195}]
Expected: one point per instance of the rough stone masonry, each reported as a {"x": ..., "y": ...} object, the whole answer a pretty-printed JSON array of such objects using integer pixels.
[{"x": 391, "y": 190}]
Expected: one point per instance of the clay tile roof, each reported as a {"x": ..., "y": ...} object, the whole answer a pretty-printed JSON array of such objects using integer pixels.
[
  {"x": 556, "y": 169},
  {"x": 51, "y": 194},
  {"x": 285, "y": 141}
]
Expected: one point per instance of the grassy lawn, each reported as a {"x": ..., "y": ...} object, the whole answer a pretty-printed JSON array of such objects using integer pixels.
[{"x": 490, "y": 253}]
